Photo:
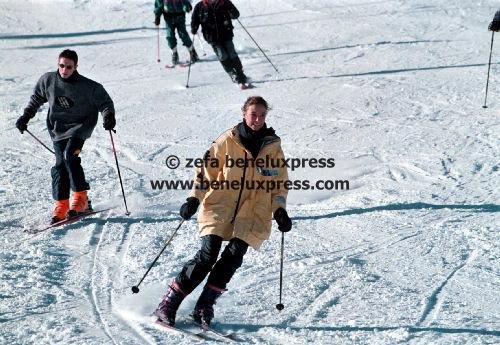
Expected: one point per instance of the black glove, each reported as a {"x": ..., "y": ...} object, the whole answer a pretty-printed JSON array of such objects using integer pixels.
[
  {"x": 22, "y": 123},
  {"x": 157, "y": 19},
  {"x": 189, "y": 207},
  {"x": 188, "y": 8},
  {"x": 193, "y": 32},
  {"x": 284, "y": 222},
  {"x": 109, "y": 122},
  {"x": 494, "y": 26}
]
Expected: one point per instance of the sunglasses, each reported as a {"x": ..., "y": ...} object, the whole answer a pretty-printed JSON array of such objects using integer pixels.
[{"x": 68, "y": 67}]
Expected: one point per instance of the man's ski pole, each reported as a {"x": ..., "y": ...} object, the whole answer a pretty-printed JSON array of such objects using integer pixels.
[
  {"x": 40, "y": 142},
  {"x": 189, "y": 67},
  {"x": 119, "y": 175},
  {"x": 135, "y": 288},
  {"x": 158, "y": 44},
  {"x": 257, "y": 45},
  {"x": 280, "y": 305},
  {"x": 489, "y": 65}
]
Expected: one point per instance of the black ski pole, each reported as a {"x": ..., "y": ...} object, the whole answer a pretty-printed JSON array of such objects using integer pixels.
[
  {"x": 135, "y": 288},
  {"x": 280, "y": 305},
  {"x": 119, "y": 175},
  {"x": 158, "y": 44},
  {"x": 189, "y": 67},
  {"x": 489, "y": 65},
  {"x": 40, "y": 142},
  {"x": 257, "y": 45}
]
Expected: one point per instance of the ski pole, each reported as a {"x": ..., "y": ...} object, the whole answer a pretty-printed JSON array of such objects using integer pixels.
[
  {"x": 257, "y": 45},
  {"x": 280, "y": 305},
  {"x": 135, "y": 288},
  {"x": 40, "y": 142},
  {"x": 189, "y": 67},
  {"x": 158, "y": 44},
  {"x": 201, "y": 44},
  {"x": 489, "y": 65},
  {"x": 119, "y": 175}
]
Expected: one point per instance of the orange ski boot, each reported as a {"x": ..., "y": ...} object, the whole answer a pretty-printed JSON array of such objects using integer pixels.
[
  {"x": 79, "y": 204},
  {"x": 60, "y": 211}
]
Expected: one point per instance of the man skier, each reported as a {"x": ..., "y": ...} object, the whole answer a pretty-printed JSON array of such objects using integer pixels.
[
  {"x": 241, "y": 214},
  {"x": 74, "y": 103},
  {"x": 174, "y": 13},
  {"x": 215, "y": 16}
]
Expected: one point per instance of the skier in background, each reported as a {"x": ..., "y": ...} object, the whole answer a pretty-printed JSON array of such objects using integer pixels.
[
  {"x": 215, "y": 16},
  {"x": 174, "y": 13},
  {"x": 74, "y": 103},
  {"x": 239, "y": 215}
]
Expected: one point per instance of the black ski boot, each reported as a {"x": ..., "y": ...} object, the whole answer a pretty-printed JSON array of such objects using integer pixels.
[
  {"x": 240, "y": 77},
  {"x": 168, "y": 306},
  {"x": 193, "y": 56},
  {"x": 228, "y": 67},
  {"x": 175, "y": 57},
  {"x": 203, "y": 312}
]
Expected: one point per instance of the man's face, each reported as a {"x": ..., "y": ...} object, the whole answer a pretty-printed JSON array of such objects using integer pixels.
[
  {"x": 66, "y": 67},
  {"x": 255, "y": 116}
]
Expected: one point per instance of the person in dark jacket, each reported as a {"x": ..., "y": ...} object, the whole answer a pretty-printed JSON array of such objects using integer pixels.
[
  {"x": 215, "y": 17},
  {"x": 240, "y": 215},
  {"x": 74, "y": 103},
  {"x": 174, "y": 13}
]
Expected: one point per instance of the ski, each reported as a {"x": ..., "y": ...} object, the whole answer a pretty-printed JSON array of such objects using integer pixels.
[
  {"x": 67, "y": 221},
  {"x": 166, "y": 326},
  {"x": 179, "y": 64},
  {"x": 209, "y": 330}
]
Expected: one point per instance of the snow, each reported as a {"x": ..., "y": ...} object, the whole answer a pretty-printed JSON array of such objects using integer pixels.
[{"x": 392, "y": 90}]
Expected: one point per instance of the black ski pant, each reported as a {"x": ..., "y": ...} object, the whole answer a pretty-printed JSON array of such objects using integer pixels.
[
  {"x": 177, "y": 22},
  {"x": 68, "y": 171},
  {"x": 229, "y": 60},
  {"x": 205, "y": 261}
]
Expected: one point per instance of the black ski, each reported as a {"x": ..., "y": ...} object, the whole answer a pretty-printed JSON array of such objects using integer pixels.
[
  {"x": 67, "y": 221},
  {"x": 166, "y": 326},
  {"x": 209, "y": 330}
]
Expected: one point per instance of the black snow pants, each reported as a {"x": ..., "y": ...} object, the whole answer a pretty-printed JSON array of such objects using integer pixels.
[
  {"x": 68, "y": 171},
  {"x": 205, "y": 261}
]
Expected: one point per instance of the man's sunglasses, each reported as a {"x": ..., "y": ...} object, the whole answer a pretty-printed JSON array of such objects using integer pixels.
[{"x": 68, "y": 67}]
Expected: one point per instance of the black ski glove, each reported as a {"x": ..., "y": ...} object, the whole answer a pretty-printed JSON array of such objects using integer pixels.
[
  {"x": 189, "y": 207},
  {"x": 109, "y": 122},
  {"x": 22, "y": 123},
  {"x": 188, "y": 8},
  {"x": 284, "y": 222},
  {"x": 157, "y": 19},
  {"x": 495, "y": 24}
]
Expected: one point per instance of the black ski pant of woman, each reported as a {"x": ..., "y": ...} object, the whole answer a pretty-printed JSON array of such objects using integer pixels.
[{"x": 205, "y": 261}]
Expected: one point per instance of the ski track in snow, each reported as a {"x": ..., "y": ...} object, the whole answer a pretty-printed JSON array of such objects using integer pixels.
[{"x": 391, "y": 89}]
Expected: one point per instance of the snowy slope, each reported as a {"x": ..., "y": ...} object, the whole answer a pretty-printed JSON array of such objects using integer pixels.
[{"x": 392, "y": 90}]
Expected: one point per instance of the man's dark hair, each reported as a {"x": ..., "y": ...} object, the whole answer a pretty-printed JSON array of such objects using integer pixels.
[
  {"x": 254, "y": 100},
  {"x": 69, "y": 54}
]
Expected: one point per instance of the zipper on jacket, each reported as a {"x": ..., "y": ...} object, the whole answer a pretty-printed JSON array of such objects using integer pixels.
[{"x": 241, "y": 189}]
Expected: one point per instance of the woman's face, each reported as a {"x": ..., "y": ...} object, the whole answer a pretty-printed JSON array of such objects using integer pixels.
[{"x": 255, "y": 116}]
